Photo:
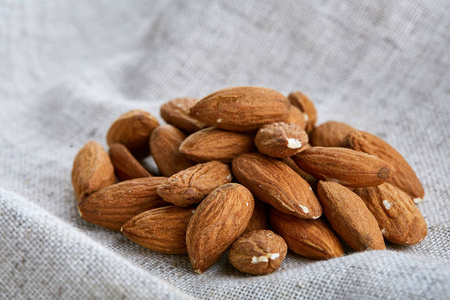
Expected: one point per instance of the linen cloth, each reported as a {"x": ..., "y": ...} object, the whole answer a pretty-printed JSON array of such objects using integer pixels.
[{"x": 68, "y": 69}]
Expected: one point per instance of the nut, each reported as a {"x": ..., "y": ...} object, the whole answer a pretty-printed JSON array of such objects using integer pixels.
[
  {"x": 301, "y": 101},
  {"x": 125, "y": 164},
  {"x": 174, "y": 113},
  {"x": 330, "y": 134}
]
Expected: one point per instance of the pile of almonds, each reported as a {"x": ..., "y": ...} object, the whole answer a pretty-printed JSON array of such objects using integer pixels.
[{"x": 246, "y": 169}]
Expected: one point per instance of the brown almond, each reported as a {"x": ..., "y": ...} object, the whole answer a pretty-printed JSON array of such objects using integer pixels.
[
  {"x": 241, "y": 109},
  {"x": 311, "y": 180},
  {"x": 126, "y": 166},
  {"x": 296, "y": 116},
  {"x": 405, "y": 178},
  {"x": 112, "y": 206},
  {"x": 133, "y": 130},
  {"x": 92, "y": 170},
  {"x": 273, "y": 182},
  {"x": 350, "y": 217},
  {"x": 345, "y": 166},
  {"x": 174, "y": 112},
  {"x": 309, "y": 238},
  {"x": 260, "y": 217},
  {"x": 160, "y": 229},
  {"x": 216, "y": 144},
  {"x": 217, "y": 222},
  {"x": 301, "y": 101},
  {"x": 193, "y": 184},
  {"x": 330, "y": 134},
  {"x": 399, "y": 219},
  {"x": 164, "y": 144}
]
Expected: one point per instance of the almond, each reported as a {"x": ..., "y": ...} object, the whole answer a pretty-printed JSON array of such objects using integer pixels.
[
  {"x": 133, "y": 129},
  {"x": 311, "y": 180},
  {"x": 92, "y": 170},
  {"x": 399, "y": 219},
  {"x": 174, "y": 113},
  {"x": 405, "y": 178},
  {"x": 330, "y": 134},
  {"x": 309, "y": 238},
  {"x": 215, "y": 144},
  {"x": 301, "y": 101},
  {"x": 260, "y": 217},
  {"x": 349, "y": 217},
  {"x": 217, "y": 222},
  {"x": 160, "y": 229},
  {"x": 345, "y": 166},
  {"x": 296, "y": 116},
  {"x": 164, "y": 144},
  {"x": 241, "y": 109},
  {"x": 112, "y": 206},
  {"x": 193, "y": 184},
  {"x": 273, "y": 182},
  {"x": 125, "y": 164}
]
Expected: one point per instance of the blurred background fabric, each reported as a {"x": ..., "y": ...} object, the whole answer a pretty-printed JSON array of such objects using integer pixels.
[{"x": 68, "y": 69}]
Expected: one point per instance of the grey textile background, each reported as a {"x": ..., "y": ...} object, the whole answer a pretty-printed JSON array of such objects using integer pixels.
[{"x": 69, "y": 68}]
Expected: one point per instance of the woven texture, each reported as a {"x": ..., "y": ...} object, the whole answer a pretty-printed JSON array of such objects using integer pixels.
[{"x": 68, "y": 69}]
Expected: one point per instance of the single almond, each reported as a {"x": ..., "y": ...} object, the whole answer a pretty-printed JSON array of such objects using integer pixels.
[
  {"x": 345, "y": 166},
  {"x": 240, "y": 109},
  {"x": 405, "y": 178},
  {"x": 217, "y": 222},
  {"x": 301, "y": 101},
  {"x": 280, "y": 139},
  {"x": 92, "y": 170},
  {"x": 125, "y": 164},
  {"x": 311, "y": 180},
  {"x": 309, "y": 238},
  {"x": 174, "y": 112},
  {"x": 160, "y": 229},
  {"x": 330, "y": 134},
  {"x": 350, "y": 217},
  {"x": 273, "y": 182},
  {"x": 216, "y": 144},
  {"x": 296, "y": 116},
  {"x": 193, "y": 184},
  {"x": 113, "y": 205},
  {"x": 260, "y": 217},
  {"x": 164, "y": 144},
  {"x": 399, "y": 219}
]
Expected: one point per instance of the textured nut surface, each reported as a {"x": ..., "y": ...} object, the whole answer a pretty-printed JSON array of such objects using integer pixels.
[
  {"x": 193, "y": 184},
  {"x": 125, "y": 164},
  {"x": 217, "y": 222},
  {"x": 161, "y": 229},
  {"x": 280, "y": 139},
  {"x": 301, "y": 101},
  {"x": 350, "y": 217},
  {"x": 241, "y": 109},
  {"x": 92, "y": 170},
  {"x": 258, "y": 252},
  {"x": 330, "y": 134},
  {"x": 133, "y": 129},
  {"x": 260, "y": 217},
  {"x": 216, "y": 144},
  {"x": 400, "y": 221},
  {"x": 174, "y": 112},
  {"x": 345, "y": 166},
  {"x": 309, "y": 238},
  {"x": 273, "y": 182}
]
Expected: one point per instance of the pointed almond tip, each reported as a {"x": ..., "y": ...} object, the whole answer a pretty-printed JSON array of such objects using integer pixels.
[{"x": 418, "y": 200}]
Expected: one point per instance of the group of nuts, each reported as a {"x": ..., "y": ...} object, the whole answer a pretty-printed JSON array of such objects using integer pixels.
[{"x": 246, "y": 169}]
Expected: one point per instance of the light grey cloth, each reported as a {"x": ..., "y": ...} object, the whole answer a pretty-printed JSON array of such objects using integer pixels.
[{"x": 68, "y": 69}]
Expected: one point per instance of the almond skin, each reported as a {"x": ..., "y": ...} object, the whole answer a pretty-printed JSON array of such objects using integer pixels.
[
  {"x": 350, "y": 217},
  {"x": 345, "y": 166},
  {"x": 296, "y": 116},
  {"x": 240, "y": 109},
  {"x": 161, "y": 229},
  {"x": 311, "y": 180},
  {"x": 399, "y": 219},
  {"x": 260, "y": 217},
  {"x": 125, "y": 164},
  {"x": 273, "y": 182},
  {"x": 174, "y": 112},
  {"x": 330, "y": 134},
  {"x": 405, "y": 178},
  {"x": 216, "y": 144},
  {"x": 92, "y": 170},
  {"x": 112, "y": 206},
  {"x": 192, "y": 185},
  {"x": 164, "y": 144},
  {"x": 133, "y": 130},
  {"x": 301, "y": 101},
  {"x": 217, "y": 222},
  {"x": 309, "y": 238}
]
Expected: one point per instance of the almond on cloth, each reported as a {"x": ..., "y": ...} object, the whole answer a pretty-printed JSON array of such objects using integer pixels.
[
  {"x": 92, "y": 170},
  {"x": 296, "y": 116},
  {"x": 216, "y": 144},
  {"x": 193, "y": 184},
  {"x": 126, "y": 166},
  {"x": 280, "y": 139},
  {"x": 174, "y": 112},
  {"x": 113, "y": 205},
  {"x": 309, "y": 238},
  {"x": 260, "y": 217},
  {"x": 160, "y": 229},
  {"x": 399, "y": 219},
  {"x": 274, "y": 182},
  {"x": 345, "y": 166},
  {"x": 330, "y": 134},
  {"x": 349, "y": 217},
  {"x": 244, "y": 108},
  {"x": 258, "y": 252},
  {"x": 217, "y": 222},
  {"x": 405, "y": 178},
  {"x": 133, "y": 130},
  {"x": 301, "y": 101},
  {"x": 165, "y": 142}
]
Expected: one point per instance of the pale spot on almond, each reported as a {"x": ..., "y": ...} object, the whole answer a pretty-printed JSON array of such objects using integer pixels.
[
  {"x": 265, "y": 258},
  {"x": 294, "y": 143},
  {"x": 304, "y": 208},
  {"x": 387, "y": 204}
]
